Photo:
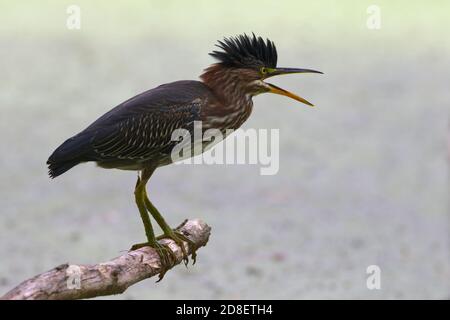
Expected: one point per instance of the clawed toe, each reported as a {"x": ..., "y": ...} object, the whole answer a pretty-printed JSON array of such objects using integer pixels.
[
  {"x": 166, "y": 255},
  {"x": 179, "y": 239}
]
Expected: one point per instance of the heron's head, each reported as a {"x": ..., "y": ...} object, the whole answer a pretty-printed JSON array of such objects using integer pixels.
[{"x": 248, "y": 61}]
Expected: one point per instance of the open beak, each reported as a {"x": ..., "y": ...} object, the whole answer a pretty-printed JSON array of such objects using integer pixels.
[{"x": 277, "y": 90}]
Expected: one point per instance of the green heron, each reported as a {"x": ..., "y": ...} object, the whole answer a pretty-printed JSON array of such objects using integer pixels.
[{"x": 136, "y": 134}]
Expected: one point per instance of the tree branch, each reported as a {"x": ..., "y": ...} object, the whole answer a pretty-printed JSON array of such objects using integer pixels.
[{"x": 107, "y": 278}]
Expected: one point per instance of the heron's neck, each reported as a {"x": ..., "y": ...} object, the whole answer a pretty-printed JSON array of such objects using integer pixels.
[
  {"x": 234, "y": 104},
  {"x": 226, "y": 85}
]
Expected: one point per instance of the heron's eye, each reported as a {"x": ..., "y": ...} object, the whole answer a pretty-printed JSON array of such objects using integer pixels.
[{"x": 263, "y": 70}]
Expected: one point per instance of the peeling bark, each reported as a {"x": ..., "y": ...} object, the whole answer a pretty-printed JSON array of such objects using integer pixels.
[{"x": 71, "y": 281}]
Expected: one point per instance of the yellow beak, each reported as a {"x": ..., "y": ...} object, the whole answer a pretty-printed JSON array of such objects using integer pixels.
[{"x": 278, "y": 90}]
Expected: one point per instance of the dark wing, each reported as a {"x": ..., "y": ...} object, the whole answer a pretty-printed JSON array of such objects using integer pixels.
[
  {"x": 135, "y": 130},
  {"x": 145, "y": 134}
]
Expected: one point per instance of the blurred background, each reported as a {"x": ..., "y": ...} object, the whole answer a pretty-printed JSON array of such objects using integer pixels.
[{"x": 363, "y": 177}]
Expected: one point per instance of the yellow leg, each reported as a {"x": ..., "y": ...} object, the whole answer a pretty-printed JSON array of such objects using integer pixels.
[
  {"x": 170, "y": 233},
  {"x": 165, "y": 253}
]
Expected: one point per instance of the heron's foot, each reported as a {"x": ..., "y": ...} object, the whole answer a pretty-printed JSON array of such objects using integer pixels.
[
  {"x": 166, "y": 255},
  {"x": 180, "y": 239}
]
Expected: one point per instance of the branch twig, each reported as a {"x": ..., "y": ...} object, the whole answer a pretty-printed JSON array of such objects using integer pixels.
[{"x": 107, "y": 278}]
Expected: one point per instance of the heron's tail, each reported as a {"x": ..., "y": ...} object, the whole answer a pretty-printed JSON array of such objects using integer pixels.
[
  {"x": 57, "y": 168},
  {"x": 72, "y": 152}
]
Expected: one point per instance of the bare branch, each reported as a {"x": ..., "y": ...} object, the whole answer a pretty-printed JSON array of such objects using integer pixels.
[{"x": 107, "y": 278}]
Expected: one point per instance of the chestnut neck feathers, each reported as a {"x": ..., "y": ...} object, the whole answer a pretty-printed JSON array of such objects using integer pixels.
[{"x": 234, "y": 97}]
